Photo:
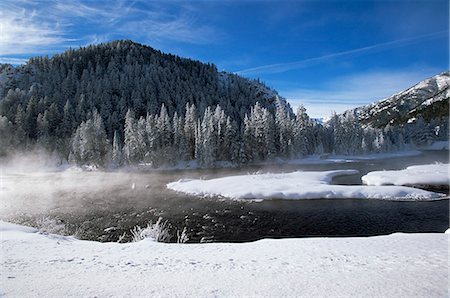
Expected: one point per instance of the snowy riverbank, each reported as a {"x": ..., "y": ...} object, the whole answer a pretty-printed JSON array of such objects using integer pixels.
[
  {"x": 34, "y": 264},
  {"x": 294, "y": 186}
]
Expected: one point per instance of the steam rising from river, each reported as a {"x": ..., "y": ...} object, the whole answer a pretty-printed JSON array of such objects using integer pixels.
[{"x": 38, "y": 183}]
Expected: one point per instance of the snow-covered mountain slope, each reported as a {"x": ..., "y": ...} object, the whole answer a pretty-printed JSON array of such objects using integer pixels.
[{"x": 428, "y": 99}]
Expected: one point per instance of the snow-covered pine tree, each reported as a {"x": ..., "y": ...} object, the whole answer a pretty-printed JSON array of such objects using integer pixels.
[
  {"x": 284, "y": 130},
  {"x": 141, "y": 137},
  {"x": 89, "y": 143},
  {"x": 164, "y": 127},
  {"x": 117, "y": 157},
  {"x": 190, "y": 122},
  {"x": 220, "y": 122},
  {"x": 269, "y": 135},
  {"x": 209, "y": 139},
  {"x": 248, "y": 142},
  {"x": 179, "y": 142},
  {"x": 301, "y": 126},
  {"x": 131, "y": 145}
]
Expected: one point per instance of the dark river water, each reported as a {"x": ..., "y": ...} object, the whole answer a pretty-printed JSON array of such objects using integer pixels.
[{"x": 105, "y": 206}]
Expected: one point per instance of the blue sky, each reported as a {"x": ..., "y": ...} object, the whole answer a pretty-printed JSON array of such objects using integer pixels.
[{"x": 328, "y": 55}]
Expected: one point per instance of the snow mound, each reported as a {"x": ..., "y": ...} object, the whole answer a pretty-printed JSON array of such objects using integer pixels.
[
  {"x": 6, "y": 226},
  {"x": 36, "y": 265},
  {"x": 432, "y": 174},
  {"x": 296, "y": 185}
]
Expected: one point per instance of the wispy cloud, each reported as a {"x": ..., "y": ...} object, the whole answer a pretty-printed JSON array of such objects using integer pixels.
[
  {"x": 283, "y": 67},
  {"x": 180, "y": 29},
  {"x": 35, "y": 27},
  {"x": 22, "y": 31},
  {"x": 355, "y": 90},
  {"x": 108, "y": 13}
]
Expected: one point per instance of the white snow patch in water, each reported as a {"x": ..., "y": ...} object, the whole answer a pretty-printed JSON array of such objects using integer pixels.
[
  {"x": 296, "y": 185},
  {"x": 432, "y": 174}
]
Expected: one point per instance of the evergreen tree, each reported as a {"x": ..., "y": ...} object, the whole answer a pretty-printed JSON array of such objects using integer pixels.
[
  {"x": 131, "y": 146},
  {"x": 117, "y": 157},
  {"x": 190, "y": 121}
]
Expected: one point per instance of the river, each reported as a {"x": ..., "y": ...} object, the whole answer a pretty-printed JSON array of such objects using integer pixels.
[{"x": 104, "y": 206}]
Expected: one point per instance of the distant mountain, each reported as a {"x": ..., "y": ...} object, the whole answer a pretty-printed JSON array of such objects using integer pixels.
[{"x": 428, "y": 100}]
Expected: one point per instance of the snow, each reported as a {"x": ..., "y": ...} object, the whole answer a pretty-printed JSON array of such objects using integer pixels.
[
  {"x": 6, "y": 226},
  {"x": 432, "y": 174},
  {"x": 397, "y": 265},
  {"x": 330, "y": 159},
  {"x": 296, "y": 185},
  {"x": 431, "y": 101},
  {"x": 443, "y": 81}
]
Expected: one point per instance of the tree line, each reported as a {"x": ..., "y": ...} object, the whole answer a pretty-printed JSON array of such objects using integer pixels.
[{"x": 211, "y": 138}]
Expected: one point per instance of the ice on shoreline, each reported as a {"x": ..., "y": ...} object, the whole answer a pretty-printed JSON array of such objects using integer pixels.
[
  {"x": 294, "y": 186},
  {"x": 432, "y": 174}
]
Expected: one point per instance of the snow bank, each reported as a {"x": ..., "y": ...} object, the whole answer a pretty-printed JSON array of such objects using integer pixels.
[
  {"x": 433, "y": 174},
  {"x": 41, "y": 265},
  {"x": 6, "y": 226},
  {"x": 296, "y": 185}
]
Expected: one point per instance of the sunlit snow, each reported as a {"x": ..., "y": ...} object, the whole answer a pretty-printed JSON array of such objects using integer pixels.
[
  {"x": 296, "y": 185},
  {"x": 433, "y": 174},
  {"x": 39, "y": 265}
]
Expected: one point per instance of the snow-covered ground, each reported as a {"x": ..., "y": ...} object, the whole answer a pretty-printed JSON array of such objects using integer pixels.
[
  {"x": 433, "y": 174},
  {"x": 398, "y": 265},
  {"x": 296, "y": 185}
]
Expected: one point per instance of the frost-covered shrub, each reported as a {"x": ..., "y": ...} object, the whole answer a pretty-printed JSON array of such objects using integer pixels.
[
  {"x": 158, "y": 231},
  {"x": 78, "y": 232},
  {"x": 183, "y": 237},
  {"x": 122, "y": 237},
  {"x": 49, "y": 225}
]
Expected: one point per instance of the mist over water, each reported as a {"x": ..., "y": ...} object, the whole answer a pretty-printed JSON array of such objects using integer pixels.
[{"x": 104, "y": 205}]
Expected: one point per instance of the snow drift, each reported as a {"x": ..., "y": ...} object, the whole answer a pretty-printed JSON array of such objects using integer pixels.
[{"x": 37, "y": 265}]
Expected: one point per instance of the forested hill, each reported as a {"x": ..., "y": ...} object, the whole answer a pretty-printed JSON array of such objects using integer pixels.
[
  {"x": 122, "y": 103},
  {"x": 115, "y": 77}
]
